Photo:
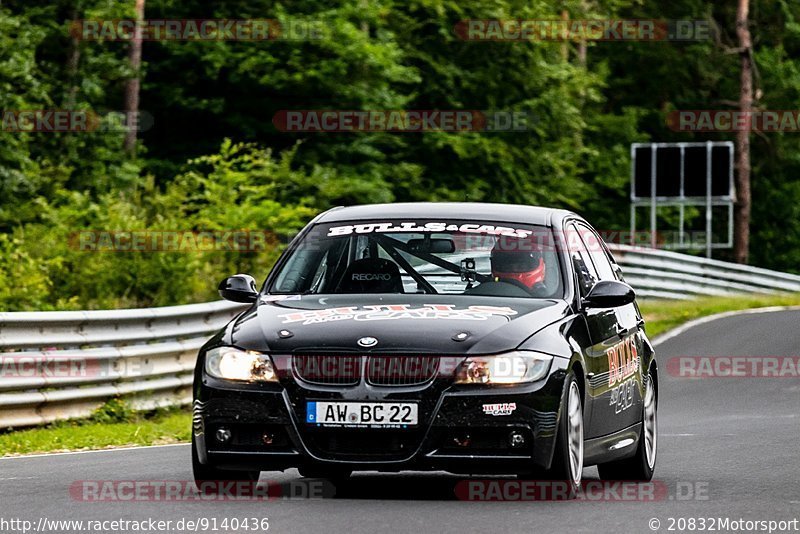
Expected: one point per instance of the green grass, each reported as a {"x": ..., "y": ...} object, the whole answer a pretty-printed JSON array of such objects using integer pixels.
[
  {"x": 162, "y": 428},
  {"x": 663, "y": 315},
  {"x": 115, "y": 425}
]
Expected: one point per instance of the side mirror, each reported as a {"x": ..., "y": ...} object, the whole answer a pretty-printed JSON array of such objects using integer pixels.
[
  {"x": 238, "y": 288},
  {"x": 609, "y": 294}
]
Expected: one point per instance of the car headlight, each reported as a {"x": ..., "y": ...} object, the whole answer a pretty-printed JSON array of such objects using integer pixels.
[
  {"x": 517, "y": 367},
  {"x": 230, "y": 363}
]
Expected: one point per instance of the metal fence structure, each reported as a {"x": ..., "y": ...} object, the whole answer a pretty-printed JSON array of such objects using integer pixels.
[
  {"x": 671, "y": 275},
  {"x": 61, "y": 365}
]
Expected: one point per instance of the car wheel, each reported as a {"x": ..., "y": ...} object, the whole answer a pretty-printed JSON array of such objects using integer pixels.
[
  {"x": 641, "y": 466},
  {"x": 212, "y": 475},
  {"x": 567, "y": 466}
]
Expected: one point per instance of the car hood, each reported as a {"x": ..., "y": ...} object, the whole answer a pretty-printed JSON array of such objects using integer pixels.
[{"x": 433, "y": 324}]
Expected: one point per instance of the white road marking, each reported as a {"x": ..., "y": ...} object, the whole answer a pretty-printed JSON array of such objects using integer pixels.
[
  {"x": 94, "y": 451},
  {"x": 707, "y": 319}
]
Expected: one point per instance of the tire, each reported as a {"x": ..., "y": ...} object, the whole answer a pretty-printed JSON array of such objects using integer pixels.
[
  {"x": 212, "y": 475},
  {"x": 567, "y": 465},
  {"x": 641, "y": 466}
]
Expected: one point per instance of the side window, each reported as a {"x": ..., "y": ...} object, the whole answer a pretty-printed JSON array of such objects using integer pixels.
[
  {"x": 582, "y": 261},
  {"x": 598, "y": 252},
  {"x": 615, "y": 265}
]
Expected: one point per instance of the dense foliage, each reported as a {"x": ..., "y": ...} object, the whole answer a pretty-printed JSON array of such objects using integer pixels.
[{"x": 213, "y": 158}]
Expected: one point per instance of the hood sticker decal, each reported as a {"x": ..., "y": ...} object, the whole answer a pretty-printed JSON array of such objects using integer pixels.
[
  {"x": 501, "y": 408},
  {"x": 393, "y": 312}
]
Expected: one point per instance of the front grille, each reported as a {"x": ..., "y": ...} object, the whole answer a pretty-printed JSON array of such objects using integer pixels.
[
  {"x": 401, "y": 370},
  {"x": 251, "y": 437},
  {"x": 333, "y": 370},
  {"x": 379, "y": 444},
  {"x": 198, "y": 426},
  {"x": 345, "y": 370},
  {"x": 482, "y": 440}
]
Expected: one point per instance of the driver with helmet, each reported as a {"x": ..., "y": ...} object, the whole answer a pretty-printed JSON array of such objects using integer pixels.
[{"x": 515, "y": 261}]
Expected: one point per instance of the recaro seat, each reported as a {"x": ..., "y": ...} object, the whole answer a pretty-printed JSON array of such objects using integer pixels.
[{"x": 372, "y": 275}]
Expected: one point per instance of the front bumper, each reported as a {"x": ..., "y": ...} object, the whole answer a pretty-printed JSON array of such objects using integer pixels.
[{"x": 269, "y": 432}]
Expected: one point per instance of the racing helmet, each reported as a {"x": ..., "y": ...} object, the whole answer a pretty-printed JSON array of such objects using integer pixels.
[{"x": 516, "y": 259}]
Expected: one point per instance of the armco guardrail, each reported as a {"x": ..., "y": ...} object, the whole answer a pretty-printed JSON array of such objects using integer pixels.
[
  {"x": 663, "y": 274},
  {"x": 61, "y": 365}
]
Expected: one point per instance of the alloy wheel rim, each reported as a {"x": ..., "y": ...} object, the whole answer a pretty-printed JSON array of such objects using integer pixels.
[
  {"x": 575, "y": 433},
  {"x": 650, "y": 423}
]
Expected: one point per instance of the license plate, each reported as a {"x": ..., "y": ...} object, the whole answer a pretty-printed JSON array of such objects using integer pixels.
[{"x": 369, "y": 414}]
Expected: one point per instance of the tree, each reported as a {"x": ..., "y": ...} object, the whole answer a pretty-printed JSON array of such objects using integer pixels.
[
  {"x": 742, "y": 207},
  {"x": 132, "y": 87}
]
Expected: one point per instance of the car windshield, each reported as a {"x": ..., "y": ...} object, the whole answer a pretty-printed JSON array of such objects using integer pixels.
[{"x": 476, "y": 258}]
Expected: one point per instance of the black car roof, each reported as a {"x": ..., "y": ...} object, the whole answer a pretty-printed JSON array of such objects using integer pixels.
[{"x": 511, "y": 213}]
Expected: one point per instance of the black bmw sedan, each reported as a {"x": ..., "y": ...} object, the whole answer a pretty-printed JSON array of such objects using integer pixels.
[{"x": 471, "y": 338}]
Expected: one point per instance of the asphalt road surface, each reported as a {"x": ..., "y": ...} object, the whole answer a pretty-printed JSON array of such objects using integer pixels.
[{"x": 728, "y": 448}]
